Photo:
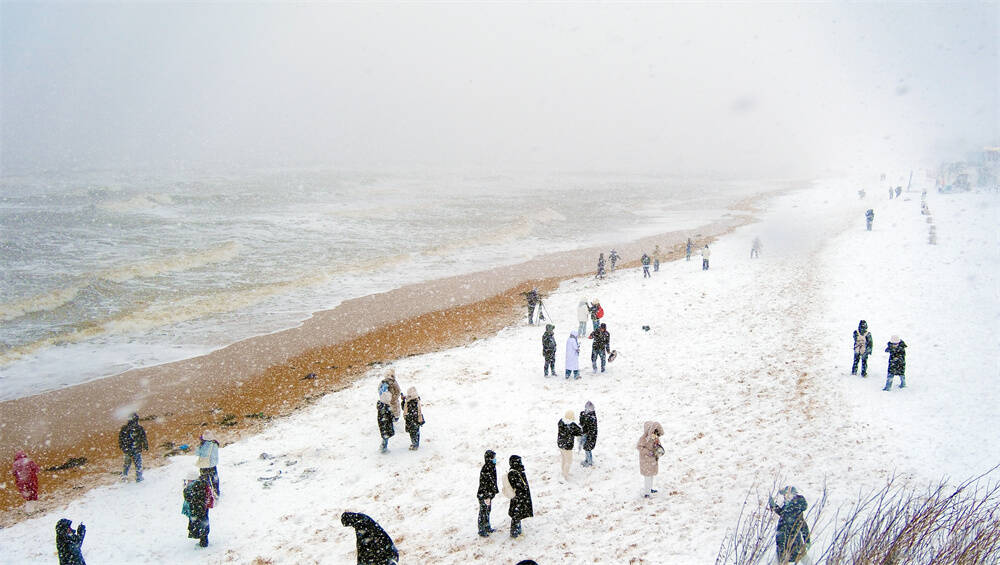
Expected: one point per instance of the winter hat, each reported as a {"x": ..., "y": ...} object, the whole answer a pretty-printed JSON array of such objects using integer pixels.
[
  {"x": 862, "y": 325},
  {"x": 588, "y": 407},
  {"x": 572, "y": 333},
  {"x": 894, "y": 339},
  {"x": 411, "y": 392},
  {"x": 549, "y": 327},
  {"x": 568, "y": 415},
  {"x": 596, "y": 301},
  {"x": 604, "y": 326},
  {"x": 788, "y": 491},
  {"x": 207, "y": 435}
]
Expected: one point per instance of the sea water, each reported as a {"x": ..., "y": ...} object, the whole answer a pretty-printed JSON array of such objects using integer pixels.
[{"x": 105, "y": 272}]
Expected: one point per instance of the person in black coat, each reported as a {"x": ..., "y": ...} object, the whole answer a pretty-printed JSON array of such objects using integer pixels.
[
  {"x": 532, "y": 298},
  {"x": 69, "y": 542},
  {"x": 566, "y": 430},
  {"x": 792, "y": 536},
  {"x": 896, "y": 349},
  {"x": 601, "y": 347},
  {"x": 199, "y": 498},
  {"x": 588, "y": 422},
  {"x": 549, "y": 349},
  {"x": 863, "y": 345},
  {"x": 132, "y": 442},
  {"x": 385, "y": 418},
  {"x": 375, "y": 547},
  {"x": 413, "y": 417},
  {"x": 520, "y": 506},
  {"x": 487, "y": 490}
]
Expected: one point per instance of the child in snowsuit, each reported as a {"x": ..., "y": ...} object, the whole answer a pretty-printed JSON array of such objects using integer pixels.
[
  {"x": 862, "y": 348},
  {"x": 198, "y": 498},
  {"x": 25, "y": 473},
  {"x": 413, "y": 417},
  {"x": 896, "y": 349},
  {"x": 487, "y": 491},
  {"x": 792, "y": 536},
  {"x": 375, "y": 547},
  {"x": 601, "y": 346},
  {"x": 549, "y": 349},
  {"x": 520, "y": 505},
  {"x": 566, "y": 430},
  {"x": 588, "y": 423},
  {"x": 69, "y": 543},
  {"x": 385, "y": 419}
]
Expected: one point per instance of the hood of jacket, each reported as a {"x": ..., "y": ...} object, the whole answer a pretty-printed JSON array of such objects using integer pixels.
[
  {"x": 20, "y": 455},
  {"x": 489, "y": 456},
  {"x": 572, "y": 334},
  {"x": 62, "y": 525},
  {"x": 515, "y": 462},
  {"x": 549, "y": 328},
  {"x": 649, "y": 427},
  {"x": 589, "y": 407},
  {"x": 386, "y": 398}
]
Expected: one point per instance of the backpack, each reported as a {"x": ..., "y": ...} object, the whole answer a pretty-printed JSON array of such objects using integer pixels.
[
  {"x": 600, "y": 312},
  {"x": 508, "y": 490},
  {"x": 859, "y": 343}
]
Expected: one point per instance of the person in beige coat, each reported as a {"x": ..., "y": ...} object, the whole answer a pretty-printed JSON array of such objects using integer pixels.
[
  {"x": 650, "y": 451},
  {"x": 389, "y": 384}
]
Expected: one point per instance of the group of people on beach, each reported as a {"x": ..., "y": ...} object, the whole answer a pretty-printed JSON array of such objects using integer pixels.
[
  {"x": 895, "y": 347},
  {"x": 391, "y": 404}
]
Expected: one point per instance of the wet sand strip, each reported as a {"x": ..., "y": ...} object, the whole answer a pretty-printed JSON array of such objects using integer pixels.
[{"x": 237, "y": 389}]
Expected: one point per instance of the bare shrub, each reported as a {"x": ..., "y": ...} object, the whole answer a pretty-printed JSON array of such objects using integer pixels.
[{"x": 897, "y": 524}]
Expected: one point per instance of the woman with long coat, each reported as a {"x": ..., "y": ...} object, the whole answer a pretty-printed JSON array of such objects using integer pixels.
[
  {"x": 199, "y": 496},
  {"x": 650, "y": 451},
  {"x": 792, "y": 536},
  {"x": 588, "y": 422},
  {"x": 520, "y": 505},
  {"x": 375, "y": 547},
  {"x": 573, "y": 356},
  {"x": 385, "y": 419}
]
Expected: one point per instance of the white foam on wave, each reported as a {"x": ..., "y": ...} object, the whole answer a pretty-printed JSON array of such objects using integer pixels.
[
  {"x": 137, "y": 203},
  {"x": 38, "y": 303},
  {"x": 171, "y": 264}
]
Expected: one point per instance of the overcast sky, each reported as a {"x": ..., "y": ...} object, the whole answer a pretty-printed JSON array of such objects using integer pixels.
[{"x": 737, "y": 89}]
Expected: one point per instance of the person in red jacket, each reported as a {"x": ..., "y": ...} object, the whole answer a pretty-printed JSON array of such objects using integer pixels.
[{"x": 25, "y": 475}]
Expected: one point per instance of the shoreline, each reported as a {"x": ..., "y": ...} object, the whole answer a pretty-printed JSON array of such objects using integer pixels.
[{"x": 176, "y": 400}]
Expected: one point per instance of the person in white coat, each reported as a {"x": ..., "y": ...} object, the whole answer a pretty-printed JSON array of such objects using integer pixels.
[
  {"x": 582, "y": 316},
  {"x": 573, "y": 356},
  {"x": 705, "y": 253}
]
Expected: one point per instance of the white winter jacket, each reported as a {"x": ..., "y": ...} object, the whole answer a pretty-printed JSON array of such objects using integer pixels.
[
  {"x": 572, "y": 352},
  {"x": 582, "y": 313}
]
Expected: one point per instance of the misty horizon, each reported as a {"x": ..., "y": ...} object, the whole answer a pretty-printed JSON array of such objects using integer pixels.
[{"x": 707, "y": 90}]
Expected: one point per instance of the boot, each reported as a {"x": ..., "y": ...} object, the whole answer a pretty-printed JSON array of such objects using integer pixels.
[
  {"x": 902, "y": 381},
  {"x": 888, "y": 384}
]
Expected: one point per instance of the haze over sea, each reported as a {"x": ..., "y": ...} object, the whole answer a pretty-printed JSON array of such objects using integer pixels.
[{"x": 105, "y": 272}]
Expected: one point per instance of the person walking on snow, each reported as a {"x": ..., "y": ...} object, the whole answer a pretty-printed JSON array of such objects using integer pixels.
[
  {"x": 567, "y": 429},
  {"x": 198, "y": 497},
  {"x": 132, "y": 442},
  {"x": 656, "y": 259},
  {"x": 614, "y": 259},
  {"x": 532, "y": 299},
  {"x": 601, "y": 346},
  {"x": 705, "y": 253},
  {"x": 600, "y": 266},
  {"x": 645, "y": 266},
  {"x": 375, "y": 547},
  {"x": 549, "y": 349},
  {"x": 863, "y": 345},
  {"x": 208, "y": 460},
  {"x": 588, "y": 423},
  {"x": 755, "y": 248},
  {"x": 69, "y": 543},
  {"x": 896, "y": 349},
  {"x": 573, "y": 355},
  {"x": 413, "y": 417},
  {"x": 582, "y": 315},
  {"x": 385, "y": 419},
  {"x": 25, "y": 473},
  {"x": 869, "y": 218},
  {"x": 791, "y": 538},
  {"x": 487, "y": 491},
  {"x": 650, "y": 451},
  {"x": 688, "y": 250},
  {"x": 520, "y": 505}
]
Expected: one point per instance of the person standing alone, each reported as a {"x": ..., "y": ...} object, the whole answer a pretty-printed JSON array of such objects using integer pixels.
[
  {"x": 132, "y": 442},
  {"x": 549, "y": 349}
]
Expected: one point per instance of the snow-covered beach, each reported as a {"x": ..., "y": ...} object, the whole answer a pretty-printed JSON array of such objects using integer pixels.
[{"x": 746, "y": 366}]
